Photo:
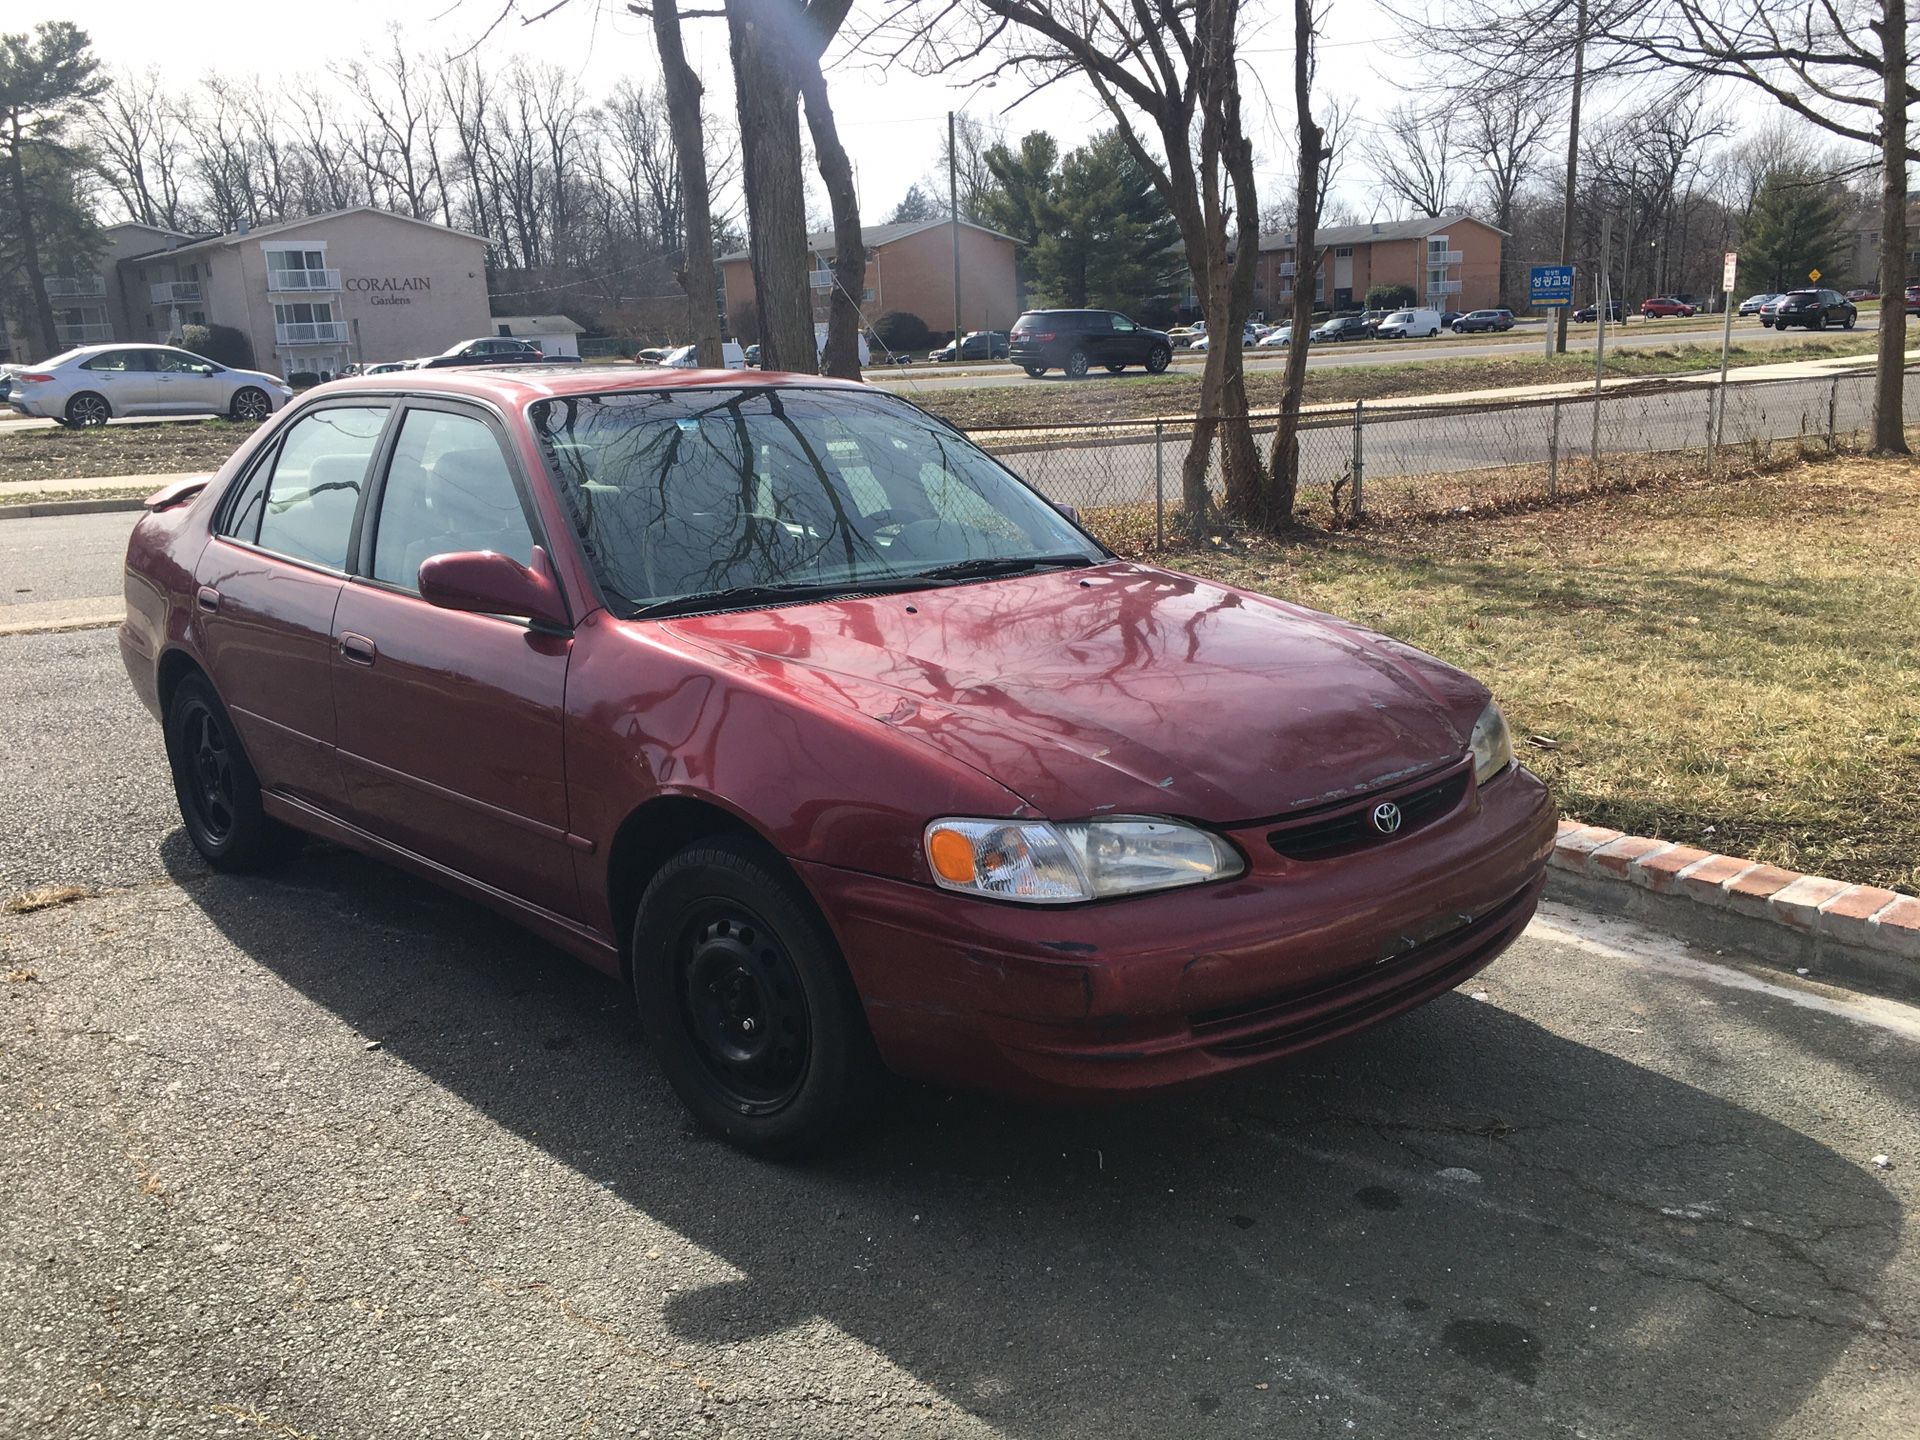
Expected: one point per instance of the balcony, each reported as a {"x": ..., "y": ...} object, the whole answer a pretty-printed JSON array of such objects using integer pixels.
[
  {"x": 1446, "y": 257},
  {"x": 1443, "y": 287},
  {"x": 71, "y": 335},
  {"x": 311, "y": 332},
  {"x": 73, "y": 287},
  {"x": 303, "y": 282},
  {"x": 820, "y": 279},
  {"x": 1289, "y": 267},
  {"x": 176, "y": 292}
]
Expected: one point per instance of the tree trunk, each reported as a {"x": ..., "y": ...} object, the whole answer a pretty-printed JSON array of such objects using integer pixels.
[
  {"x": 768, "y": 92},
  {"x": 1306, "y": 264},
  {"x": 30, "y": 250},
  {"x": 842, "y": 355},
  {"x": 696, "y": 275},
  {"x": 1889, "y": 417},
  {"x": 1573, "y": 167}
]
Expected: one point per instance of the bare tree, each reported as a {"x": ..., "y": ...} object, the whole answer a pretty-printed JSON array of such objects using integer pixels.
[
  {"x": 696, "y": 273},
  {"x": 136, "y": 148},
  {"x": 1841, "y": 65},
  {"x": 399, "y": 140},
  {"x": 1306, "y": 251},
  {"x": 1415, "y": 156},
  {"x": 1504, "y": 131},
  {"x": 1168, "y": 74}
]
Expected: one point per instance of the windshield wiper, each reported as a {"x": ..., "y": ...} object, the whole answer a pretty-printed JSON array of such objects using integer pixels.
[
  {"x": 991, "y": 565},
  {"x": 743, "y": 597}
]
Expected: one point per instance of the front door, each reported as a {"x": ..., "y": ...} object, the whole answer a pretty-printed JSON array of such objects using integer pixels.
[
  {"x": 268, "y": 583},
  {"x": 450, "y": 724},
  {"x": 186, "y": 384}
]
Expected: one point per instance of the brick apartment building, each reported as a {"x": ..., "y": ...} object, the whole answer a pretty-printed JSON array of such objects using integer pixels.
[
  {"x": 311, "y": 295},
  {"x": 1452, "y": 262},
  {"x": 909, "y": 268}
]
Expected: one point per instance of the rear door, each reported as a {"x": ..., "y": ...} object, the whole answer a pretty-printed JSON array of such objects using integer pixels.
[
  {"x": 268, "y": 583},
  {"x": 125, "y": 378},
  {"x": 450, "y": 732}
]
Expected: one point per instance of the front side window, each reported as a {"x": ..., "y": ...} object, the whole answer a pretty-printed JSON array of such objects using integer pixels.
[
  {"x": 1122, "y": 324},
  {"x": 677, "y": 494},
  {"x": 180, "y": 362},
  {"x": 303, "y": 503},
  {"x": 448, "y": 489}
]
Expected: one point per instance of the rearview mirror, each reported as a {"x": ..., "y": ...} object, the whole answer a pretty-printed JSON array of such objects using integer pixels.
[{"x": 486, "y": 582}]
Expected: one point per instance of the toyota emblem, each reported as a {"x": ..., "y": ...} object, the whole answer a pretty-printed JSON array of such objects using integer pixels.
[{"x": 1386, "y": 817}]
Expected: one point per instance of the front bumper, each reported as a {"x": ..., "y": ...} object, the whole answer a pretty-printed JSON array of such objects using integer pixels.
[{"x": 1143, "y": 994}]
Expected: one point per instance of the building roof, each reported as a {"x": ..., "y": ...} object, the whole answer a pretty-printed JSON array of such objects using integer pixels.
[
  {"x": 255, "y": 232},
  {"x": 1415, "y": 229},
  {"x": 874, "y": 236},
  {"x": 540, "y": 324}
]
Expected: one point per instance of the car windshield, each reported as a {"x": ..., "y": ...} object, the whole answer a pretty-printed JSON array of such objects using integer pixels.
[
  {"x": 732, "y": 493},
  {"x": 1399, "y": 317}
]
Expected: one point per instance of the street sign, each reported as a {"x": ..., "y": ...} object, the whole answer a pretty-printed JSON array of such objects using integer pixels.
[
  {"x": 1550, "y": 285},
  {"x": 1727, "y": 269},
  {"x": 1814, "y": 275}
]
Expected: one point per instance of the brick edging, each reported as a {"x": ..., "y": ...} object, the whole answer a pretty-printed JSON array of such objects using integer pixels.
[{"x": 1861, "y": 933}]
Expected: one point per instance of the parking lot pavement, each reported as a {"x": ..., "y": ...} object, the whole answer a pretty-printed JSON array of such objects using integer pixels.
[{"x": 328, "y": 1153}]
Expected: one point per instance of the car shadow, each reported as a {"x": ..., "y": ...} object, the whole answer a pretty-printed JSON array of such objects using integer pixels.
[{"x": 1462, "y": 1223}]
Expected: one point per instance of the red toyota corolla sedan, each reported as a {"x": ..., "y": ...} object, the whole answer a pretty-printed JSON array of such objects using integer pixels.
[{"x": 786, "y": 702}]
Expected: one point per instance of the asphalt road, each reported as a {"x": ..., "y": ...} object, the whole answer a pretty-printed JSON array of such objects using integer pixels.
[
  {"x": 328, "y": 1153},
  {"x": 921, "y": 380}
]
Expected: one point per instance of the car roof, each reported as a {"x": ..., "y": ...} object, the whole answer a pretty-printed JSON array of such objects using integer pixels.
[{"x": 511, "y": 386}]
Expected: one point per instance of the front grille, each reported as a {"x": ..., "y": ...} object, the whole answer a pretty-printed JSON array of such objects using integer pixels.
[{"x": 1326, "y": 833}]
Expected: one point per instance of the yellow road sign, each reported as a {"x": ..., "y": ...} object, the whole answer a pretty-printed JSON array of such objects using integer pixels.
[{"x": 1813, "y": 274}]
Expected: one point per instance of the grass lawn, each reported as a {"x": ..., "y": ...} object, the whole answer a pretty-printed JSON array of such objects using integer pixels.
[
  {"x": 1059, "y": 401},
  {"x": 1731, "y": 664}
]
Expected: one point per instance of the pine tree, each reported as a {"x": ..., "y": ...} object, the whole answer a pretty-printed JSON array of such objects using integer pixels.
[{"x": 1797, "y": 225}]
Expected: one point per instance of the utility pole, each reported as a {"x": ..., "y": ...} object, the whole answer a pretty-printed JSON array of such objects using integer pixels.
[
  {"x": 1573, "y": 164},
  {"x": 953, "y": 214}
]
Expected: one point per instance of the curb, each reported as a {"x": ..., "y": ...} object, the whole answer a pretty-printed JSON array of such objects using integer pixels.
[
  {"x": 40, "y": 509},
  {"x": 1860, "y": 935}
]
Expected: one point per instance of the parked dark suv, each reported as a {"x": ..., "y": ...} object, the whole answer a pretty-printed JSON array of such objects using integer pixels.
[
  {"x": 1815, "y": 309},
  {"x": 1483, "y": 320},
  {"x": 978, "y": 345},
  {"x": 1077, "y": 340}
]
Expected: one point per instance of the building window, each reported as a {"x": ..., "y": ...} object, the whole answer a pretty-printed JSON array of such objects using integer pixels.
[
  {"x": 1343, "y": 252},
  {"x": 283, "y": 260}
]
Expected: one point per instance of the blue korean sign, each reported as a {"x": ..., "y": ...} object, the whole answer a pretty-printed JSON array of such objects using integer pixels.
[{"x": 1550, "y": 285}]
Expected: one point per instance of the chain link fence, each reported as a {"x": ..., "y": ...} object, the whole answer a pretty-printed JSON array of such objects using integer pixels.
[{"x": 1426, "y": 460}]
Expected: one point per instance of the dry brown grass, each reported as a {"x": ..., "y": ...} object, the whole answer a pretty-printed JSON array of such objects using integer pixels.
[
  {"x": 44, "y": 897},
  {"x": 1731, "y": 663}
]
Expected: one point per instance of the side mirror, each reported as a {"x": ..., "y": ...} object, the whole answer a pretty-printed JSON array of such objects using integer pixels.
[
  {"x": 1072, "y": 512},
  {"x": 489, "y": 583}
]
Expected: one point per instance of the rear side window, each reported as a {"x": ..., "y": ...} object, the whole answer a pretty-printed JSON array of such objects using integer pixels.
[
  {"x": 448, "y": 489},
  {"x": 311, "y": 487}
]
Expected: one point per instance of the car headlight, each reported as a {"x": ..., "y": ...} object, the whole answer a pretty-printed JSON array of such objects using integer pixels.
[
  {"x": 1045, "y": 862},
  {"x": 1492, "y": 744}
]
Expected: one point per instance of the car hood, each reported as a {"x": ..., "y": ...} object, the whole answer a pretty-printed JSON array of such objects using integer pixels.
[{"x": 1119, "y": 689}]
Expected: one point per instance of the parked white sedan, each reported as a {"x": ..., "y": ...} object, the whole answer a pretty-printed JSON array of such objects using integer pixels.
[{"x": 96, "y": 383}]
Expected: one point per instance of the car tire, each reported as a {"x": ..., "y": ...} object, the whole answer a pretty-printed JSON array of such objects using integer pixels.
[
  {"x": 1158, "y": 359},
  {"x": 87, "y": 410},
  {"x": 216, "y": 787},
  {"x": 1076, "y": 366},
  {"x": 1851, "y": 321},
  {"x": 1036, "y": 371},
  {"x": 250, "y": 403},
  {"x": 1818, "y": 322},
  {"x": 747, "y": 1004}
]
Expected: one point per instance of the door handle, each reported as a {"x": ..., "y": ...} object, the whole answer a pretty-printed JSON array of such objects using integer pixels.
[
  {"x": 207, "y": 598},
  {"x": 357, "y": 648}
]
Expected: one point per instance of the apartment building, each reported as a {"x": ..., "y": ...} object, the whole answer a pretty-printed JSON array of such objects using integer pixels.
[
  {"x": 1451, "y": 261},
  {"x": 909, "y": 268},
  {"x": 311, "y": 296}
]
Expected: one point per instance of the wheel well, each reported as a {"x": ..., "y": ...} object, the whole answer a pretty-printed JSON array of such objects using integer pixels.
[
  {"x": 175, "y": 666},
  {"x": 653, "y": 835}
]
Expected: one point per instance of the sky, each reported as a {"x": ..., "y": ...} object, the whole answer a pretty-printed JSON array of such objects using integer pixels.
[{"x": 892, "y": 123}]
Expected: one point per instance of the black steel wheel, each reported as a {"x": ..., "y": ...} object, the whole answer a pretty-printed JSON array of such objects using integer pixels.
[
  {"x": 1076, "y": 366},
  {"x": 1158, "y": 359},
  {"x": 747, "y": 1002},
  {"x": 86, "y": 410},
  {"x": 215, "y": 784},
  {"x": 252, "y": 404}
]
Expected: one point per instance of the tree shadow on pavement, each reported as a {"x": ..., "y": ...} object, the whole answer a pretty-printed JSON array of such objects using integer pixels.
[{"x": 1459, "y": 1224}]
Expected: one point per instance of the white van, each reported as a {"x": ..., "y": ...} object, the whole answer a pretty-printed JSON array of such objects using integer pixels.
[
  {"x": 683, "y": 358},
  {"x": 1405, "y": 324}
]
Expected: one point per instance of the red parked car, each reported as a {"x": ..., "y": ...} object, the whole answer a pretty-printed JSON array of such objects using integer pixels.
[
  {"x": 783, "y": 700},
  {"x": 1664, "y": 307}
]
